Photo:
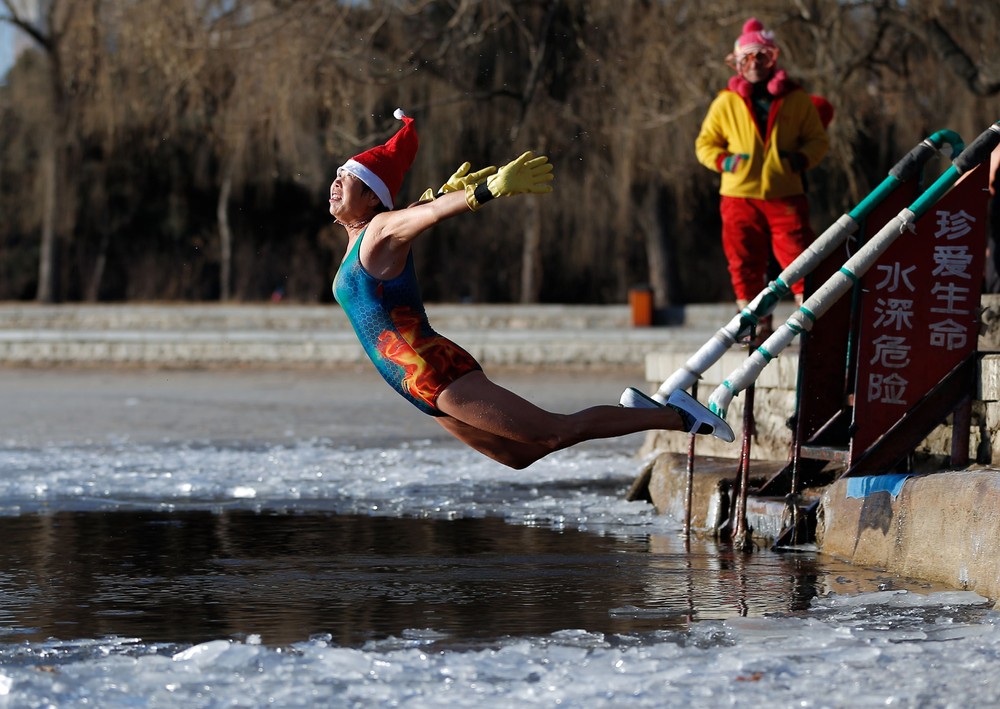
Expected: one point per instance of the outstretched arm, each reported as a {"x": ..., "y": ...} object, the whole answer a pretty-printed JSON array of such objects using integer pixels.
[
  {"x": 523, "y": 175},
  {"x": 461, "y": 179},
  {"x": 388, "y": 237},
  {"x": 526, "y": 174}
]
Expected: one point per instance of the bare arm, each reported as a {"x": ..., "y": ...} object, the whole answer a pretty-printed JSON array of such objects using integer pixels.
[{"x": 390, "y": 234}]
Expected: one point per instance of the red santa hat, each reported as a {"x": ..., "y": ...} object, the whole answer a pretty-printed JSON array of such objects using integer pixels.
[{"x": 382, "y": 168}]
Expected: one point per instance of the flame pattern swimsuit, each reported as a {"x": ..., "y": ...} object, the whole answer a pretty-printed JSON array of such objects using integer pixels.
[{"x": 391, "y": 323}]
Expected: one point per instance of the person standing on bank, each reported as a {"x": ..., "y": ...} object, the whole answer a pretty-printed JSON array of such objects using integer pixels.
[
  {"x": 762, "y": 132},
  {"x": 377, "y": 288}
]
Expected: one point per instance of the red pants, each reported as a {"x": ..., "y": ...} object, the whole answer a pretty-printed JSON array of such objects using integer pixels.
[{"x": 751, "y": 228}]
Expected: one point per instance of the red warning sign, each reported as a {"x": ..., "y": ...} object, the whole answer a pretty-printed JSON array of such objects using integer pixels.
[{"x": 920, "y": 309}]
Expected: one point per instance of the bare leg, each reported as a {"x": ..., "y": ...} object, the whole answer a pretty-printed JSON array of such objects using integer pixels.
[
  {"x": 513, "y": 454},
  {"x": 510, "y": 429}
]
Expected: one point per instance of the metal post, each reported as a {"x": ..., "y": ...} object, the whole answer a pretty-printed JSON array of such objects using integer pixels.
[
  {"x": 741, "y": 536},
  {"x": 689, "y": 484}
]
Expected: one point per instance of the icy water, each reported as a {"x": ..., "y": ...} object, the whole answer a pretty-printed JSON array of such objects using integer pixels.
[
  {"x": 190, "y": 577},
  {"x": 298, "y": 568}
]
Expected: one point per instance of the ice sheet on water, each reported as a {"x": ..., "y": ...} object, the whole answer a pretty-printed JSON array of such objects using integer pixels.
[
  {"x": 840, "y": 653},
  {"x": 901, "y": 598},
  {"x": 580, "y": 489},
  {"x": 776, "y": 661}
]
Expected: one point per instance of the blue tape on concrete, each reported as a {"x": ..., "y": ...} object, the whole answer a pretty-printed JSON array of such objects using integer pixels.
[{"x": 865, "y": 486}]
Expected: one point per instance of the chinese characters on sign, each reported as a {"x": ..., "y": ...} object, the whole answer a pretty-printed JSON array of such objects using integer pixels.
[
  {"x": 952, "y": 291},
  {"x": 919, "y": 309},
  {"x": 950, "y": 298},
  {"x": 894, "y": 310}
]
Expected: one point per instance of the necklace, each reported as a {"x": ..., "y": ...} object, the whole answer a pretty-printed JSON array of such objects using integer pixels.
[{"x": 354, "y": 225}]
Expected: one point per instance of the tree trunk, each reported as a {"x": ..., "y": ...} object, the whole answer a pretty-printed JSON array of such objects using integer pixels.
[
  {"x": 659, "y": 255},
  {"x": 47, "y": 250},
  {"x": 624, "y": 168},
  {"x": 225, "y": 235},
  {"x": 531, "y": 253},
  {"x": 93, "y": 291}
]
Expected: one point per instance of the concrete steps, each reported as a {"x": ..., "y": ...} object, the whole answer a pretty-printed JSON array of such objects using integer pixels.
[{"x": 194, "y": 335}]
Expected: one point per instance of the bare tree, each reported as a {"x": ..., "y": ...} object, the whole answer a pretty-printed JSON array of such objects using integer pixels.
[
  {"x": 182, "y": 149},
  {"x": 65, "y": 34}
]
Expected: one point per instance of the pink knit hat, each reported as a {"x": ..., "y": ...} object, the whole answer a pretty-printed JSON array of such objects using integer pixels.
[
  {"x": 754, "y": 38},
  {"x": 383, "y": 167}
]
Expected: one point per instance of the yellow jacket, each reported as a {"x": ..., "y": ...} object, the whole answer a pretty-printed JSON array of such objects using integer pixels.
[{"x": 729, "y": 128}]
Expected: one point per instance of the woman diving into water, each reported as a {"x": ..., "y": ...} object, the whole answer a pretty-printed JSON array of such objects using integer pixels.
[{"x": 377, "y": 287}]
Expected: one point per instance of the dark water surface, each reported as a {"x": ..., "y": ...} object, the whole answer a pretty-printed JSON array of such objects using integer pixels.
[{"x": 189, "y": 577}]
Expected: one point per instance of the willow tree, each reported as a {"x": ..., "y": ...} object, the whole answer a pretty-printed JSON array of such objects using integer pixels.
[{"x": 68, "y": 35}]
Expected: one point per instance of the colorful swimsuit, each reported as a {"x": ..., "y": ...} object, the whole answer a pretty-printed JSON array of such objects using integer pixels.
[{"x": 389, "y": 320}]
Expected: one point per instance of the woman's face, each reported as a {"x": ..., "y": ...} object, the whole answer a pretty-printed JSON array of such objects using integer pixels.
[
  {"x": 757, "y": 66},
  {"x": 350, "y": 198}
]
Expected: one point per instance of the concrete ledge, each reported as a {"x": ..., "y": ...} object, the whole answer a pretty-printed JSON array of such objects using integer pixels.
[
  {"x": 711, "y": 482},
  {"x": 537, "y": 347},
  {"x": 942, "y": 527},
  {"x": 211, "y": 335},
  {"x": 290, "y": 317}
]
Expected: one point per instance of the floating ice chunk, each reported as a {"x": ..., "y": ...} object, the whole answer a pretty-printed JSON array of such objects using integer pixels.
[
  {"x": 578, "y": 637},
  {"x": 901, "y": 599},
  {"x": 203, "y": 654},
  {"x": 427, "y": 634},
  {"x": 242, "y": 492},
  {"x": 5, "y": 684},
  {"x": 955, "y": 598},
  {"x": 237, "y": 655},
  {"x": 636, "y": 612},
  {"x": 345, "y": 664},
  {"x": 960, "y": 632}
]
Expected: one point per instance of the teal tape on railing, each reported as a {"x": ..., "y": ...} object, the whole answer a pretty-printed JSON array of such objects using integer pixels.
[
  {"x": 849, "y": 273},
  {"x": 936, "y": 191},
  {"x": 938, "y": 138},
  {"x": 874, "y": 197}
]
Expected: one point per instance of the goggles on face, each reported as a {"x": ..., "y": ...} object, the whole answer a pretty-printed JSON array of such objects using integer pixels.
[{"x": 765, "y": 56}]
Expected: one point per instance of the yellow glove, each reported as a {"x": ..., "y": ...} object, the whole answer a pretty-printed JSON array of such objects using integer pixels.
[
  {"x": 460, "y": 180},
  {"x": 526, "y": 174}
]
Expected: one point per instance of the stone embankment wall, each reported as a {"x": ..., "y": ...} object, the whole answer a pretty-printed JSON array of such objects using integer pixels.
[{"x": 283, "y": 335}]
